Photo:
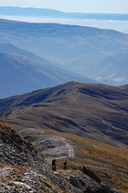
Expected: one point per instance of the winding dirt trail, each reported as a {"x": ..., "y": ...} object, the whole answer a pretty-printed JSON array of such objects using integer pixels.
[{"x": 75, "y": 92}]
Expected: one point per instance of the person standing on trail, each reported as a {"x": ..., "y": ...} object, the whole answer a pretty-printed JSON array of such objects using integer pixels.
[
  {"x": 53, "y": 165},
  {"x": 65, "y": 164}
]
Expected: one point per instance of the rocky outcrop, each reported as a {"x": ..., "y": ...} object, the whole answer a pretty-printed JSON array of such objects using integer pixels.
[
  {"x": 15, "y": 150},
  {"x": 23, "y": 169}
]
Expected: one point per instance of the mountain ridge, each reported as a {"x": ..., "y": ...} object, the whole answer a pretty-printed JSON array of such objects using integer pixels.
[
  {"x": 55, "y": 13},
  {"x": 97, "y": 112},
  {"x": 10, "y": 49}
]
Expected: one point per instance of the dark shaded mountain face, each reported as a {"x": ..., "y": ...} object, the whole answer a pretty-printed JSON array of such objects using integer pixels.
[
  {"x": 95, "y": 53},
  {"x": 93, "y": 111}
]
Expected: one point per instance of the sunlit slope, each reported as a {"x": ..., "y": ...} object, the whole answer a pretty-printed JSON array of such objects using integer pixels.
[
  {"x": 93, "y": 111},
  {"x": 109, "y": 163}
]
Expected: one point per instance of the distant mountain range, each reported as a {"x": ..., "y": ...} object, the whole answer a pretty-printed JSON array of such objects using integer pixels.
[
  {"x": 19, "y": 74},
  {"x": 54, "y": 13},
  {"x": 92, "y": 111},
  {"x": 101, "y": 55},
  {"x": 7, "y": 48}
]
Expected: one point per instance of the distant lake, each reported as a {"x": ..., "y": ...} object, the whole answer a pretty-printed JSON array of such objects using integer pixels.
[{"x": 121, "y": 26}]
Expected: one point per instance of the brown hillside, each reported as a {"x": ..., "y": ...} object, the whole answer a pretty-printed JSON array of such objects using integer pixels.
[{"x": 93, "y": 111}]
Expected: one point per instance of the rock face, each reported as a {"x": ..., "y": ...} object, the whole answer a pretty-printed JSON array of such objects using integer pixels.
[
  {"x": 23, "y": 169},
  {"x": 15, "y": 150}
]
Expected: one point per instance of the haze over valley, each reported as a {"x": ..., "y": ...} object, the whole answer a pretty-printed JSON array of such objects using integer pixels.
[
  {"x": 117, "y": 22},
  {"x": 71, "y": 53}
]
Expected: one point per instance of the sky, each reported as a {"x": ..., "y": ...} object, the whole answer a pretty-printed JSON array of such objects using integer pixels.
[{"x": 85, "y": 6}]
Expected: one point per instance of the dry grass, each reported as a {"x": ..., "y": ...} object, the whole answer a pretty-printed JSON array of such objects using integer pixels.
[
  {"x": 94, "y": 111},
  {"x": 108, "y": 162}
]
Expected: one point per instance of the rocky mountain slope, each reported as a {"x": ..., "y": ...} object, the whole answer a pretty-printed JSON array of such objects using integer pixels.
[
  {"x": 93, "y": 111},
  {"x": 23, "y": 169}
]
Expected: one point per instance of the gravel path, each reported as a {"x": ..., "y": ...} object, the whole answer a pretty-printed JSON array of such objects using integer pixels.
[{"x": 49, "y": 145}]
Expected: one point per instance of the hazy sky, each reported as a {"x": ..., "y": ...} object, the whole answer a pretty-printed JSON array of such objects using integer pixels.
[{"x": 95, "y": 6}]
